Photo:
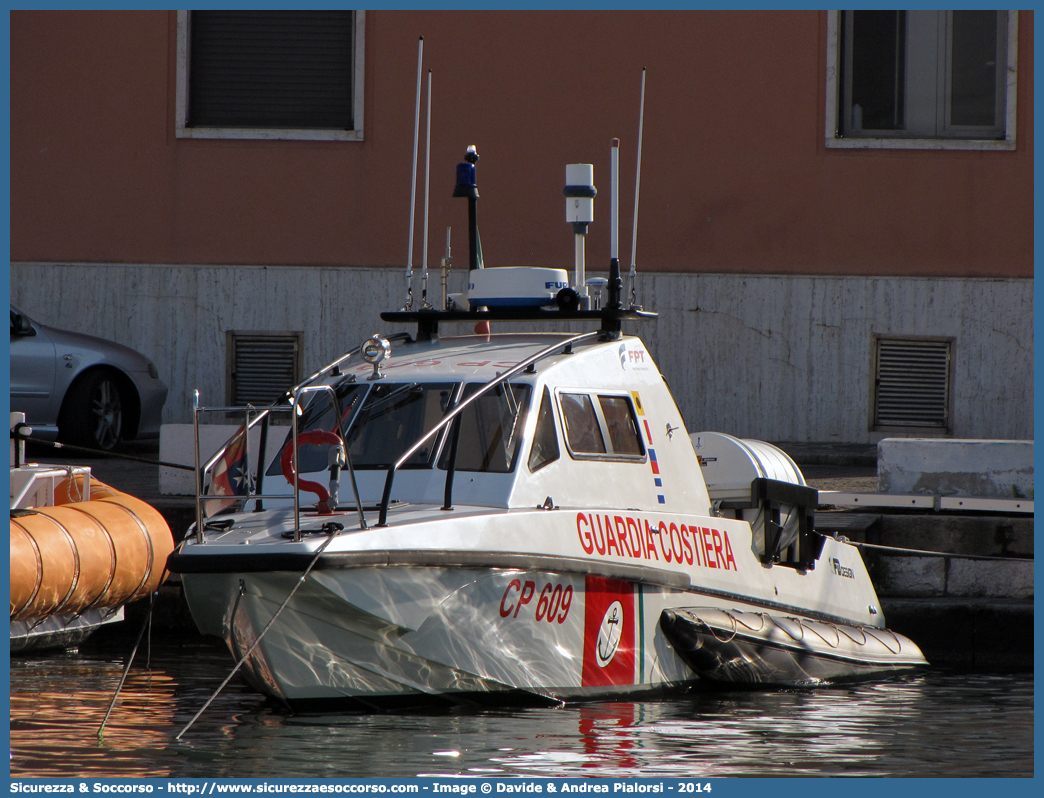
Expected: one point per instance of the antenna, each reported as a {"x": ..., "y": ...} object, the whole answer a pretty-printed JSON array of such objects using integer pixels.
[
  {"x": 615, "y": 283},
  {"x": 637, "y": 186},
  {"x": 446, "y": 265},
  {"x": 413, "y": 184},
  {"x": 427, "y": 197}
]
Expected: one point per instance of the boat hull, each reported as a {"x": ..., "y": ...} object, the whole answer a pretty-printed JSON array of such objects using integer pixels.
[
  {"x": 61, "y": 630},
  {"x": 417, "y": 634},
  {"x": 737, "y": 647},
  {"x": 400, "y": 635}
]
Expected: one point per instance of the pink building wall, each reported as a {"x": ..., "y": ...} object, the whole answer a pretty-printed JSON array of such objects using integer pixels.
[{"x": 736, "y": 176}]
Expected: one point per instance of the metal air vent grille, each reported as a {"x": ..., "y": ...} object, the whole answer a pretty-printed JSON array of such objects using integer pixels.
[
  {"x": 912, "y": 383},
  {"x": 261, "y": 366}
]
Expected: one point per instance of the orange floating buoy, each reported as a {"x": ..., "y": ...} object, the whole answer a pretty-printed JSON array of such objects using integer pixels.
[{"x": 81, "y": 555}]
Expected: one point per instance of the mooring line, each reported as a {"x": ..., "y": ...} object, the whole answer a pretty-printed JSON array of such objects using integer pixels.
[
  {"x": 332, "y": 533},
  {"x": 126, "y": 670},
  {"x": 101, "y": 452},
  {"x": 923, "y": 552}
]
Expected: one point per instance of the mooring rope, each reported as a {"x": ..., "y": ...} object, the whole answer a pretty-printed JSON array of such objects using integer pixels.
[
  {"x": 126, "y": 670},
  {"x": 923, "y": 552},
  {"x": 103, "y": 453},
  {"x": 332, "y": 532}
]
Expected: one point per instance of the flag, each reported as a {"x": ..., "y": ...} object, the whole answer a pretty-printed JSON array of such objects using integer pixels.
[{"x": 231, "y": 475}]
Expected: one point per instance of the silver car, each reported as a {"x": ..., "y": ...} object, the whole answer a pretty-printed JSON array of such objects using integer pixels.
[{"x": 80, "y": 389}]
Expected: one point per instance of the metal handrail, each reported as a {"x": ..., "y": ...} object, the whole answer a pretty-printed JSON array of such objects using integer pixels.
[
  {"x": 200, "y": 473},
  {"x": 297, "y": 393},
  {"x": 456, "y": 411},
  {"x": 329, "y": 367},
  {"x": 347, "y": 356}
]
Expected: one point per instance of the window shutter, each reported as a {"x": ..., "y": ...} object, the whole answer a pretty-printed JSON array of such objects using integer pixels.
[
  {"x": 912, "y": 383},
  {"x": 271, "y": 69},
  {"x": 262, "y": 366}
]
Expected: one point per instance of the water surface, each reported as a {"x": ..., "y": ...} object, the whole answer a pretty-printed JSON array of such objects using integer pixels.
[{"x": 938, "y": 724}]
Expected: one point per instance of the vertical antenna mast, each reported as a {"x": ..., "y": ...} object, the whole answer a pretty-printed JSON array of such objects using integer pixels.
[
  {"x": 637, "y": 186},
  {"x": 427, "y": 197},
  {"x": 615, "y": 283},
  {"x": 413, "y": 184},
  {"x": 446, "y": 268}
]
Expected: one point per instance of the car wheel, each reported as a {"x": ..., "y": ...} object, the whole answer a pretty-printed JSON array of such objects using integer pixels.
[{"x": 93, "y": 412}]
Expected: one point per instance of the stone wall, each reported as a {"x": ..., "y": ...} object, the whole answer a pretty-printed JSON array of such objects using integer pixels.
[{"x": 777, "y": 358}]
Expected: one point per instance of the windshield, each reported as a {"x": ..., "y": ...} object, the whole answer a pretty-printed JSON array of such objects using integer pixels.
[
  {"x": 382, "y": 420},
  {"x": 490, "y": 429},
  {"x": 393, "y": 418}
]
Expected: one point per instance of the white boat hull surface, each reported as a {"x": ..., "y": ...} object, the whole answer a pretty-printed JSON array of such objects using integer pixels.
[{"x": 363, "y": 635}]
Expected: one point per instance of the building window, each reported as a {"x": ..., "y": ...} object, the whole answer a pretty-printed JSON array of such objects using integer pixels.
[
  {"x": 261, "y": 366},
  {"x": 922, "y": 79},
  {"x": 270, "y": 74},
  {"x": 913, "y": 384}
]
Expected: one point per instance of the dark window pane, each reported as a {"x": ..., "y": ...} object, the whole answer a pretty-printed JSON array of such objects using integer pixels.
[
  {"x": 581, "y": 424},
  {"x": 278, "y": 69},
  {"x": 393, "y": 418},
  {"x": 545, "y": 440},
  {"x": 490, "y": 429},
  {"x": 623, "y": 430},
  {"x": 973, "y": 68},
  {"x": 383, "y": 421},
  {"x": 878, "y": 70}
]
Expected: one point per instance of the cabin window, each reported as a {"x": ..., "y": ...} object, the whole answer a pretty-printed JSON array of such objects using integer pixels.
[
  {"x": 601, "y": 427},
  {"x": 583, "y": 434},
  {"x": 490, "y": 429},
  {"x": 622, "y": 425},
  {"x": 545, "y": 440}
]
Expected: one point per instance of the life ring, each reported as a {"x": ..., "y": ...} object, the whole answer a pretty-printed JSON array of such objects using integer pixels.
[{"x": 317, "y": 436}]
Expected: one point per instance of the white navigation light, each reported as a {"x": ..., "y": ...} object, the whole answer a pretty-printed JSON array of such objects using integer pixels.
[
  {"x": 374, "y": 350},
  {"x": 580, "y": 193}
]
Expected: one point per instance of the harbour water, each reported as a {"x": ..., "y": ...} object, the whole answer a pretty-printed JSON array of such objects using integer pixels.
[{"x": 936, "y": 724}]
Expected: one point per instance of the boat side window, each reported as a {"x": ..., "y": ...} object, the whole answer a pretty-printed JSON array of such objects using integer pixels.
[
  {"x": 601, "y": 427},
  {"x": 490, "y": 429},
  {"x": 581, "y": 425},
  {"x": 623, "y": 426},
  {"x": 545, "y": 439}
]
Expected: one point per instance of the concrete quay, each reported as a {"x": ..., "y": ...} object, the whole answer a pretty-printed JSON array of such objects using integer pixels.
[
  {"x": 959, "y": 584},
  {"x": 933, "y": 571}
]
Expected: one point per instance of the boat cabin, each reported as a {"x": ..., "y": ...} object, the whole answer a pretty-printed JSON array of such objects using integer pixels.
[{"x": 584, "y": 425}]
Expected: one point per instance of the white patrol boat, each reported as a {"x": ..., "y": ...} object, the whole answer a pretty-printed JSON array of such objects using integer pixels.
[{"x": 517, "y": 516}]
